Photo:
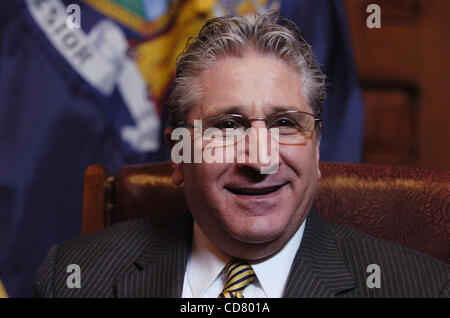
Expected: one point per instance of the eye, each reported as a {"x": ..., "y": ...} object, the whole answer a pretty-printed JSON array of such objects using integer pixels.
[
  {"x": 227, "y": 123},
  {"x": 284, "y": 122}
]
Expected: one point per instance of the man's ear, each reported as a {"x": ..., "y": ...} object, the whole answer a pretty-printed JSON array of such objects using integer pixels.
[
  {"x": 177, "y": 174},
  {"x": 167, "y": 136},
  {"x": 319, "y": 174}
]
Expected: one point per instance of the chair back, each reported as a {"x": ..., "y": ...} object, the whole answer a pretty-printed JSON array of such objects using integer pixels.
[{"x": 406, "y": 205}]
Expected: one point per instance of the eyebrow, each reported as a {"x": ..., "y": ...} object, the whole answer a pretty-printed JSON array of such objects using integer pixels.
[{"x": 237, "y": 109}]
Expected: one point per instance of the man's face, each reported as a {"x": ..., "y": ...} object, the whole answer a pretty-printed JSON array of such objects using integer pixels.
[{"x": 251, "y": 225}]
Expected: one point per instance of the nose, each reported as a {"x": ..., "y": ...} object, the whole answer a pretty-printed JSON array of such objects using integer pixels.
[
  {"x": 257, "y": 122},
  {"x": 257, "y": 150}
]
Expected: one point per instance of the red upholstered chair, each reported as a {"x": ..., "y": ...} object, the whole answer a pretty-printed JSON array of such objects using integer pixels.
[{"x": 410, "y": 206}]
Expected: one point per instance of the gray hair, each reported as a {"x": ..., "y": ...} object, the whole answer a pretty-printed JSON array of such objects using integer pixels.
[{"x": 270, "y": 34}]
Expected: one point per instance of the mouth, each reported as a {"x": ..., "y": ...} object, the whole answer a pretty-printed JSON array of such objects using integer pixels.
[{"x": 255, "y": 191}]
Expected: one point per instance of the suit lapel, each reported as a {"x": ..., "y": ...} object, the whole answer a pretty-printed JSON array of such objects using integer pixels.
[
  {"x": 159, "y": 270},
  {"x": 319, "y": 269}
]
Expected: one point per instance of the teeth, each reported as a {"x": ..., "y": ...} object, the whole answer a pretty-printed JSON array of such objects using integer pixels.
[{"x": 256, "y": 191}]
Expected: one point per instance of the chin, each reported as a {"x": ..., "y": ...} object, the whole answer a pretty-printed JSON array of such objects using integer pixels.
[{"x": 257, "y": 230}]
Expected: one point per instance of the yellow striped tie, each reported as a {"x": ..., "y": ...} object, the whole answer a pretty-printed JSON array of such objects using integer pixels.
[
  {"x": 3, "y": 293},
  {"x": 239, "y": 275}
]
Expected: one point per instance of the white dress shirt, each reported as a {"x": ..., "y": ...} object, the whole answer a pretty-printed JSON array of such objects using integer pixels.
[{"x": 205, "y": 277}]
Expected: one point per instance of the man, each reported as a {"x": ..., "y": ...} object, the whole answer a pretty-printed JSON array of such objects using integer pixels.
[{"x": 247, "y": 233}]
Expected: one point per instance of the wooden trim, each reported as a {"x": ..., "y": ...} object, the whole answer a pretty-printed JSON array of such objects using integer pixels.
[{"x": 93, "y": 218}]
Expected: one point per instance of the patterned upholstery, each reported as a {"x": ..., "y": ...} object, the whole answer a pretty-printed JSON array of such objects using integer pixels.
[{"x": 410, "y": 206}]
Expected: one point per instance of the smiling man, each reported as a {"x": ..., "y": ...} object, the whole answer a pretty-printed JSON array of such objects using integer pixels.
[
  {"x": 247, "y": 233},
  {"x": 240, "y": 209}
]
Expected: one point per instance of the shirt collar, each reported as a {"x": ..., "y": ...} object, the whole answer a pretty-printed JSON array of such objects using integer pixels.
[
  {"x": 207, "y": 262},
  {"x": 273, "y": 272}
]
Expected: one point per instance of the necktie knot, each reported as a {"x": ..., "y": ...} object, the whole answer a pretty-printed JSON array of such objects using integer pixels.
[{"x": 239, "y": 274}]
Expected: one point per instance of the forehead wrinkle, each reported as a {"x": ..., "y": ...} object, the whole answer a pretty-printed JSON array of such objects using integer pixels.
[{"x": 236, "y": 75}]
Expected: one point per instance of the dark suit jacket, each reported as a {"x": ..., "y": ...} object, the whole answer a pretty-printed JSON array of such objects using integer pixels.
[{"x": 147, "y": 257}]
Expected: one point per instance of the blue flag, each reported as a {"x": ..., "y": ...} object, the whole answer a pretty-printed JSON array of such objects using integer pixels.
[
  {"x": 324, "y": 25},
  {"x": 53, "y": 125}
]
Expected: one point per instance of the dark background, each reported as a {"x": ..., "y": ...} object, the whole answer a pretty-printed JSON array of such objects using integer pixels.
[{"x": 403, "y": 70}]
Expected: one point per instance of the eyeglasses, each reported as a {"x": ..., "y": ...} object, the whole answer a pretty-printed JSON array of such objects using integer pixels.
[{"x": 294, "y": 127}]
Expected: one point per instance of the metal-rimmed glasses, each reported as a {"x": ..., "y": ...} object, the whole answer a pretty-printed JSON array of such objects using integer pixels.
[{"x": 294, "y": 127}]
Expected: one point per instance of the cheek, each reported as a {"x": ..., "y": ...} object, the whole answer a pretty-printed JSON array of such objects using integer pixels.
[
  {"x": 203, "y": 182},
  {"x": 300, "y": 160},
  {"x": 194, "y": 180}
]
